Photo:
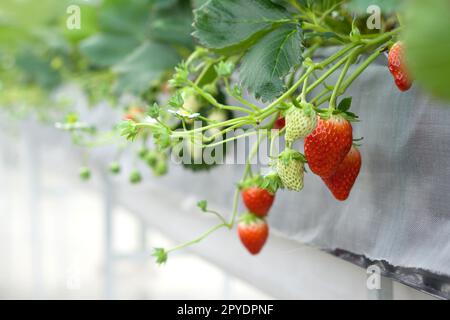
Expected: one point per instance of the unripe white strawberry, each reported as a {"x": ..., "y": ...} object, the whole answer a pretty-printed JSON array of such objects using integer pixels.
[
  {"x": 300, "y": 122},
  {"x": 290, "y": 168}
]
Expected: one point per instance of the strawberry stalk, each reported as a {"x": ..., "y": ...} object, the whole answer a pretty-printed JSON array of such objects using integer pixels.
[
  {"x": 162, "y": 254},
  {"x": 337, "y": 86}
]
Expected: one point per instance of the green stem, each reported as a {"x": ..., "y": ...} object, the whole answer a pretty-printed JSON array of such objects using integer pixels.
[
  {"x": 337, "y": 86},
  {"x": 218, "y": 215},
  {"x": 272, "y": 142},
  {"x": 353, "y": 76},
  {"x": 197, "y": 240},
  {"x": 214, "y": 102},
  {"x": 239, "y": 98}
]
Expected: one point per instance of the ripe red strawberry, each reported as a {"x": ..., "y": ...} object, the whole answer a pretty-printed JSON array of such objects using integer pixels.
[
  {"x": 279, "y": 123},
  {"x": 397, "y": 66},
  {"x": 258, "y": 200},
  {"x": 328, "y": 144},
  {"x": 253, "y": 232},
  {"x": 341, "y": 182}
]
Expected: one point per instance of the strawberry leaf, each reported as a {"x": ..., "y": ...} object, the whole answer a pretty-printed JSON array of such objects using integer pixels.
[
  {"x": 266, "y": 63},
  {"x": 154, "y": 110},
  {"x": 345, "y": 104},
  {"x": 234, "y": 24}
]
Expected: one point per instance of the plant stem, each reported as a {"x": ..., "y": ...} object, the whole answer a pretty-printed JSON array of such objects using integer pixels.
[
  {"x": 214, "y": 102},
  {"x": 197, "y": 240},
  {"x": 337, "y": 86},
  {"x": 239, "y": 98}
]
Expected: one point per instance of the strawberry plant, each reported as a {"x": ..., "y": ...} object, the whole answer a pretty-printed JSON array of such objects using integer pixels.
[{"x": 188, "y": 79}]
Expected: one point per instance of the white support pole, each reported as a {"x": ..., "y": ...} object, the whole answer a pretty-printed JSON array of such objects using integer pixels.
[
  {"x": 384, "y": 292},
  {"x": 32, "y": 174},
  {"x": 108, "y": 206},
  {"x": 142, "y": 237}
]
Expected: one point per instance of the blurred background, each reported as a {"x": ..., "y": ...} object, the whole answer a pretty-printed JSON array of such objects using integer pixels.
[{"x": 54, "y": 241}]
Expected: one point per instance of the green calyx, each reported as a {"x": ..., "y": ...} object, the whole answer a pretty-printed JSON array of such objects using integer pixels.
[
  {"x": 160, "y": 254},
  {"x": 255, "y": 181},
  {"x": 249, "y": 218},
  {"x": 308, "y": 108},
  {"x": 289, "y": 155},
  {"x": 342, "y": 110},
  {"x": 272, "y": 182}
]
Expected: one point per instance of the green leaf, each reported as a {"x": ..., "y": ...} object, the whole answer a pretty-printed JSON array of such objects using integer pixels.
[
  {"x": 427, "y": 44},
  {"x": 128, "y": 129},
  {"x": 176, "y": 101},
  {"x": 154, "y": 110},
  {"x": 173, "y": 25},
  {"x": 162, "y": 137},
  {"x": 345, "y": 104},
  {"x": 266, "y": 64},
  {"x": 107, "y": 49},
  {"x": 125, "y": 16},
  {"x": 232, "y": 25},
  {"x": 144, "y": 65},
  {"x": 224, "y": 69},
  {"x": 37, "y": 69}
]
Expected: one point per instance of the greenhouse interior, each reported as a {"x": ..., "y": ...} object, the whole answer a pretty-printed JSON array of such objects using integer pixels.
[{"x": 259, "y": 150}]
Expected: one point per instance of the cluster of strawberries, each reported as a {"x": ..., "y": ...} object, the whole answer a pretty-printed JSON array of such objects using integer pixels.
[
  {"x": 258, "y": 194},
  {"x": 329, "y": 152}
]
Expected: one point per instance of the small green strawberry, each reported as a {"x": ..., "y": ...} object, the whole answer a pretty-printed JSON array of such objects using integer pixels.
[
  {"x": 151, "y": 158},
  {"x": 160, "y": 168},
  {"x": 142, "y": 152},
  {"x": 300, "y": 122},
  {"x": 85, "y": 173},
  {"x": 290, "y": 167},
  {"x": 135, "y": 177},
  {"x": 114, "y": 167}
]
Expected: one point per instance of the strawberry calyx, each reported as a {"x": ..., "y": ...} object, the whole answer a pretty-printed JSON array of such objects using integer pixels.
[
  {"x": 250, "y": 218},
  {"x": 289, "y": 155},
  {"x": 342, "y": 110},
  {"x": 255, "y": 181},
  {"x": 160, "y": 254},
  {"x": 272, "y": 182},
  {"x": 356, "y": 140}
]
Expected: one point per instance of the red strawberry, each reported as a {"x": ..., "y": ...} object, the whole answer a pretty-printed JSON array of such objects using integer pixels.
[
  {"x": 253, "y": 232},
  {"x": 328, "y": 144},
  {"x": 397, "y": 66},
  {"x": 341, "y": 182},
  {"x": 258, "y": 200},
  {"x": 279, "y": 123}
]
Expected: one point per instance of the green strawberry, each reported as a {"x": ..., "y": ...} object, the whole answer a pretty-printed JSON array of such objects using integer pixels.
[
  {"x": 300, "y": 122},
  {"x": 290, "y": 168},
  {"x": 114, "y": 167},
  {"x": 85, "y": 173},
  {"x": 160, "y": 168},
  {"x": 135, "y": 177}
]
